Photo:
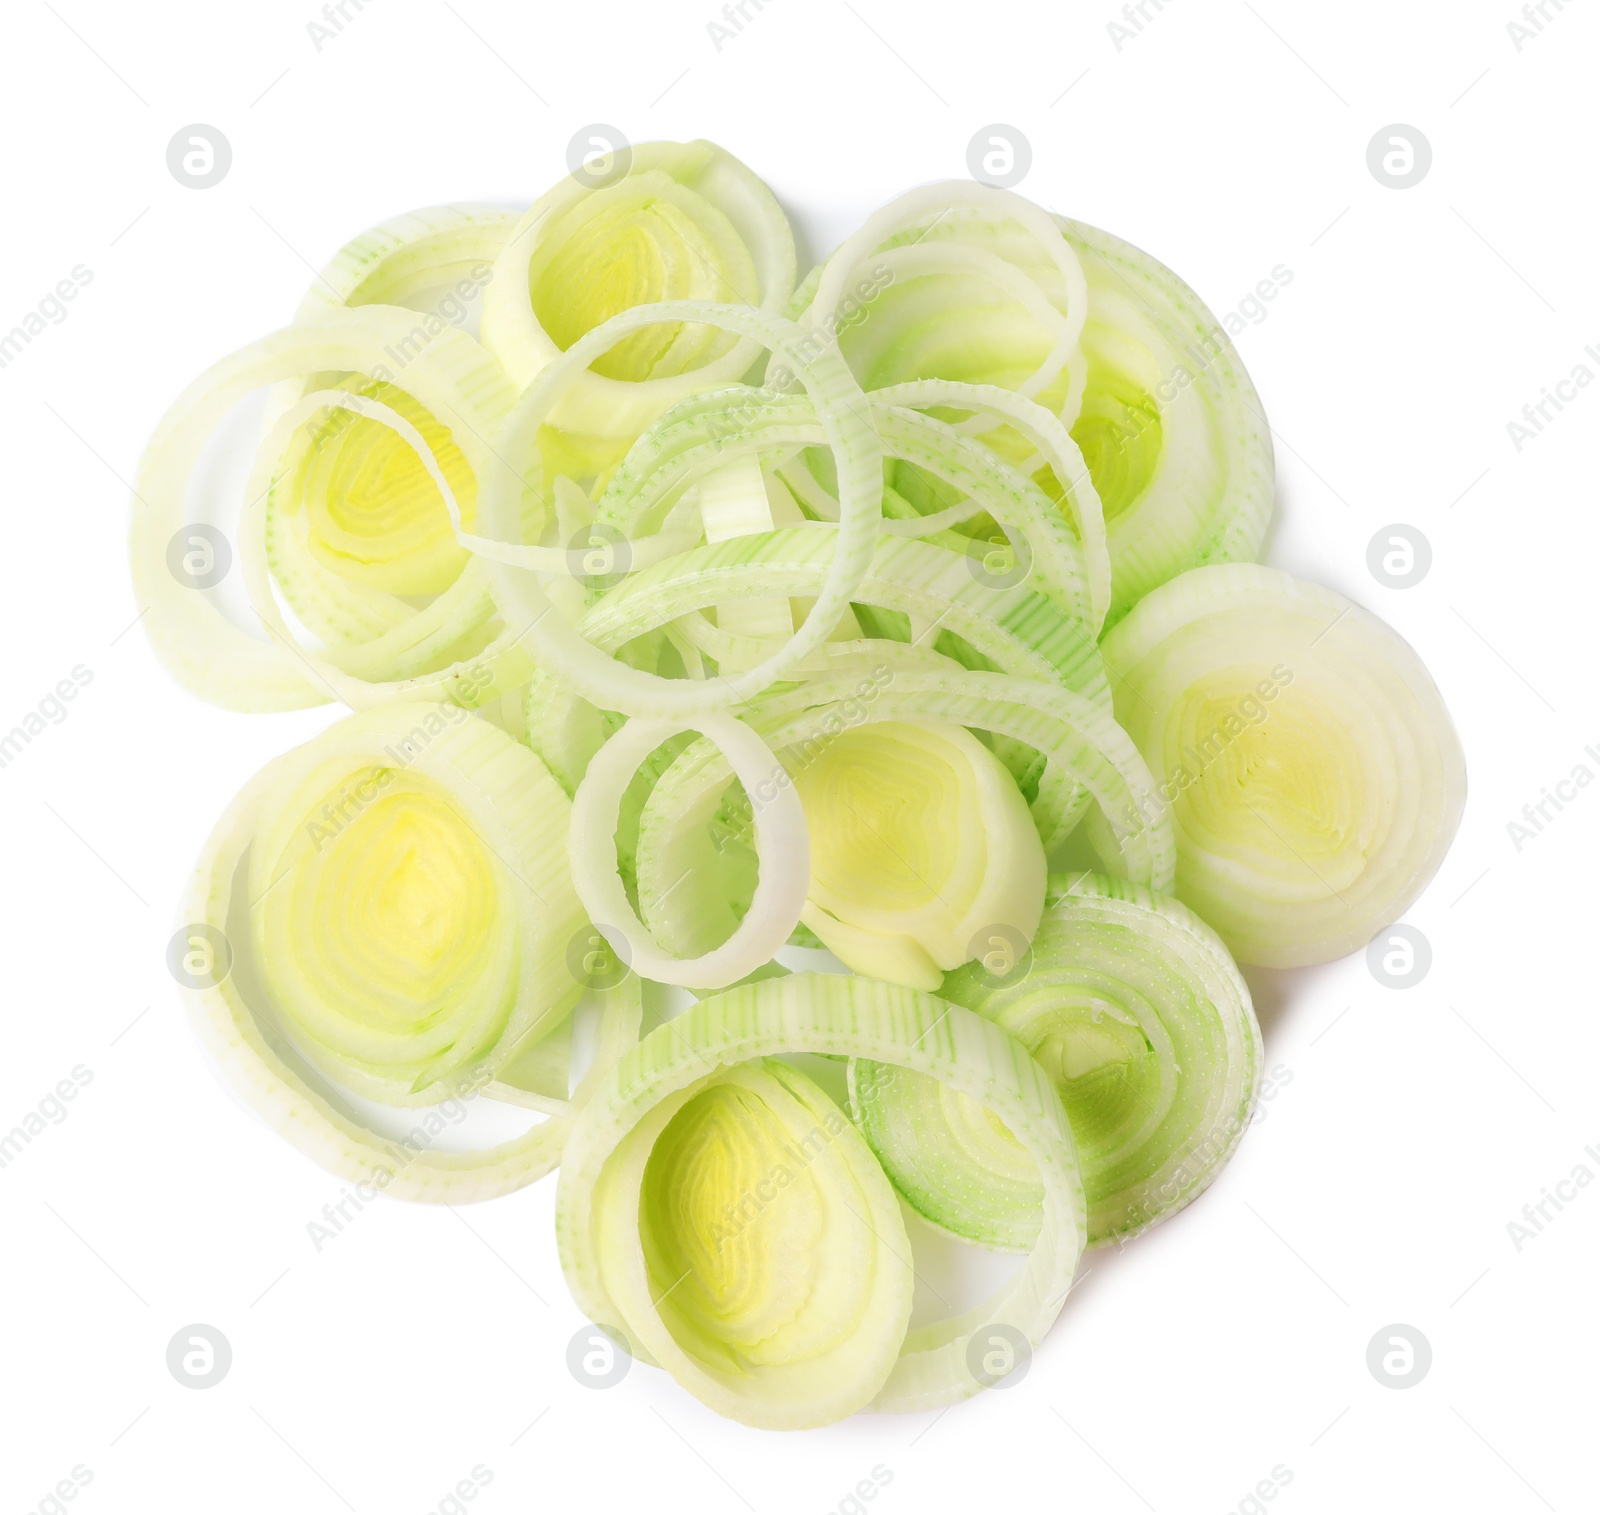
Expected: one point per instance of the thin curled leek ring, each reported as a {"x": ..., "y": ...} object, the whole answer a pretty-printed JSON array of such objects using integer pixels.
[
  {"x": 612, "y": 685},
  {"x": 603, "y": 1253},
  {"x": 781, "y": 845},
  {"x": 1145, "y": 1028},
  {"x": 269, "y": 1070}
]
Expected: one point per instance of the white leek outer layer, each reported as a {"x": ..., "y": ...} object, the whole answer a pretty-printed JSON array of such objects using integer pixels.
[
  {"x": 604, "y": 1259},
  {"x": 446, "y": 649},
  {"x": 1136, "y": 1012},
  {"x": 296, "y": 1087},
  {"x": 1314, "y": 777},
  {"x": 687, "y": 221}
]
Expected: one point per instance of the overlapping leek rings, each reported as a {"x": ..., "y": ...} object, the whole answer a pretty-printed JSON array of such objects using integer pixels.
[{"x": 719, "y": 1212}]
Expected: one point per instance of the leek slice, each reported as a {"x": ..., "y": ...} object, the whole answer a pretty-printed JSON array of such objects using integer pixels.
[
  {"x": 294, "y": 1081},
  {"x": 1136, "y": 1012},
  {"x": 687, "y": 221},
  {"x": 687, "y": 826},
  {"x": 1314, "y": 777},
  {"x": 782, "y": 849},
  {"x": 645, "y": 1187},
  {"x": 1169, "y": 422},
  {"x": 375, "y": 644},
  {"x": 920, "y": 840}
]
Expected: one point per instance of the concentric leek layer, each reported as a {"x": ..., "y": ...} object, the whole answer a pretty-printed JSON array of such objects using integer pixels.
[
  {"x": 1313, "y": 774},
  {"x": 685, "y": 222},
  {"x": 1169, "y": 422},
  {"x": 718, "y": 1210},
  {"x": 1137, "y": 1015},
  {"x": 774, "y": 1257},
  {"x": 410, "y": 903},
  {"x": 920, "y": 841},
  {"x": 373, "y": 518}
]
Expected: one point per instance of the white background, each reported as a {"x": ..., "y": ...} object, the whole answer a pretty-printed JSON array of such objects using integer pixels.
[{"x": 1226, "y": 138}]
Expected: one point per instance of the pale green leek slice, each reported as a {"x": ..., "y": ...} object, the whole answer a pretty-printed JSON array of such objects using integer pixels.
[
  {"x": 681, "y": 1150},
  {"x": 686, "y": 221},
  {"x": 1136, "y": 1012},
  {"x": 1313, "y": 774},
  {"x": 280, "y": 1063},
  {"x": 375, "y": 645}
]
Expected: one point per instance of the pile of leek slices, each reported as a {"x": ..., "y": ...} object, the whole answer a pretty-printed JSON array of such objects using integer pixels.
[{"x": 707, "y": 633}]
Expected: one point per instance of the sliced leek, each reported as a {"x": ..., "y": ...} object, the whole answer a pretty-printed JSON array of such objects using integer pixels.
[
  {"x": 686, "y": 221},
  {"x": 673, "y": 1180},
  {"x": 1314, "y": 777},
  {"x": 320, "y": 911},
  {"x": 1136, "y": 1012}
]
